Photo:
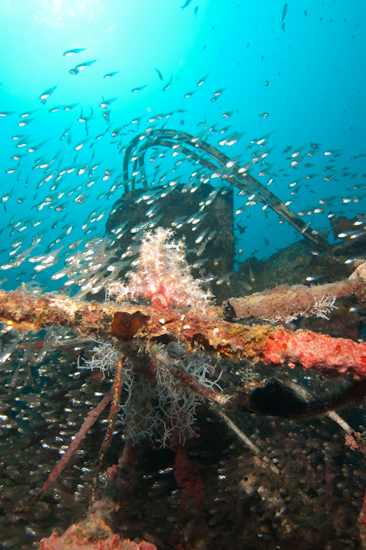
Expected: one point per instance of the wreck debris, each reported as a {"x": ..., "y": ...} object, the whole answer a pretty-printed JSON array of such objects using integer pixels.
[
  {"x": 286, "y": 303},
  {"x": 92, "y": 533},
  {"x": 142, "y": 337},
  {"x": 89, "y": 421},
  {"x": 272, "y": 345},
  {"x": 116, "y": 392},
  {"x": 204, "y": 154}
]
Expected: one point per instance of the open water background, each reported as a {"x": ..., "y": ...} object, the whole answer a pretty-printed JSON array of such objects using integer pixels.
[{"x": 305, "y": 68}]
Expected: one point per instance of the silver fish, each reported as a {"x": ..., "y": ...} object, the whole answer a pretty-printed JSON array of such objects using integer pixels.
[
  {"x": 167, "y": 86},
  {"x": 6, "y": 113},
  {"x": 46, "y": 94},
  {"x": 106, "y": 102},
  {"x": 139, "y": 88},
  {"x": 202, "y": 80},
  {"x": 70, "y": 107},
  {"x": 6, "y": 353},
  {"x": 73, "y": 52},
  {"x": 109, "y": 75},
  {"x": 84, "y": 65}
]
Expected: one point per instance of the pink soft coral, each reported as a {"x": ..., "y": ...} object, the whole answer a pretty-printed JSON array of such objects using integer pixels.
[{"x": 162, "y": 275}]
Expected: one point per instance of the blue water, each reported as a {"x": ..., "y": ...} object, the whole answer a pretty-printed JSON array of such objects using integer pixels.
[
  {"x": 296, "y": 78},
  {"x": 308, "y": 75}
]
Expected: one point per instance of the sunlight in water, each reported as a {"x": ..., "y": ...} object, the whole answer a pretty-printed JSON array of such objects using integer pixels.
[{"x": 59, "y": 13}]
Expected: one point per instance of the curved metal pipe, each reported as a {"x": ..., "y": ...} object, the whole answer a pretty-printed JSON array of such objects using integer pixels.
[{"x": 237, "y": 176}]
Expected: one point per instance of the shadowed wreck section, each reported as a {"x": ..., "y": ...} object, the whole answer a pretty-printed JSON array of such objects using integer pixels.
[{"x": 173, "y": 359}]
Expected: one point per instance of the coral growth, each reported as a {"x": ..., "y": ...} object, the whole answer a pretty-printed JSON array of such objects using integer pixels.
[
  {"x": 332, "y": 356},
  {"x": 125, "y": 325},
  {"x": 104, "y": 358},
  {"x": 159, "y": 407},
  {"x": 163, "y": 276},
  {"x": 186, "y": 476},
  {"x": 286, "y": 303},
  {"x": 91, "y": 534}
]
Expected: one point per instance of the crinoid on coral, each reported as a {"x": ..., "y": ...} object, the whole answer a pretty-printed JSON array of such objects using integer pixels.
[
  {"x": 162, "y": 276},
  {"x": 104, "y": 358},
  {"x": 158, "y": 405}
]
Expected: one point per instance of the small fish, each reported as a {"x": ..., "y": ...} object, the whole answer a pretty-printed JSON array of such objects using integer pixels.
[
  {"x": 186, "y": 4},
  {"x": 159, "y": 74},
  {"x": 46, "y": 94},
  {"x": 73, "y": 52},
  {"x": 138, "y": 89},
  {"x": 70, "y": 107},
  {"x": 109, "y": 75},
  {"x": 26, "y": 113},
  {"x": 84, "y": 65},
  {"x": 49, "y": 340},
  {"x": 83, "y": 118},
  {"x": 202, "y": 236},
  {"x": 36, "y": 147},
  {"x": 24, "y": 255},
  {"x": 195, "y": 11},
  {"x": 241, "y": 210},
  {"x": 55, "y": 109},
  {"x": 225, "y": 279},
  {"x": 189, "y": 94},
  {"x": 14, "y": 378},
  {"x": 200, "y": 250},
  {"x": 25, "y": 122},
  {"x": 168, "y": 84},
  {"x": 313, "y": 278},
  {"x": 107, "y": 174},
  {"x": 351, "y": 234},
  {"x": 81, "y": 144},
  {"x": 5, "y": 113},
  {"x": 106, "y": 102},
  {"x": 66, "y": 132},
  {"x": 202, "y": 80},
  {"x": 4, "y": 356},
  {"x": 212, "y": 196},
  {"x": 219, "y": 92},
  {"x": 19, "y": 136},
  {"x": 305, "y": 227},
  {"x": 284, "y": 11}
]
